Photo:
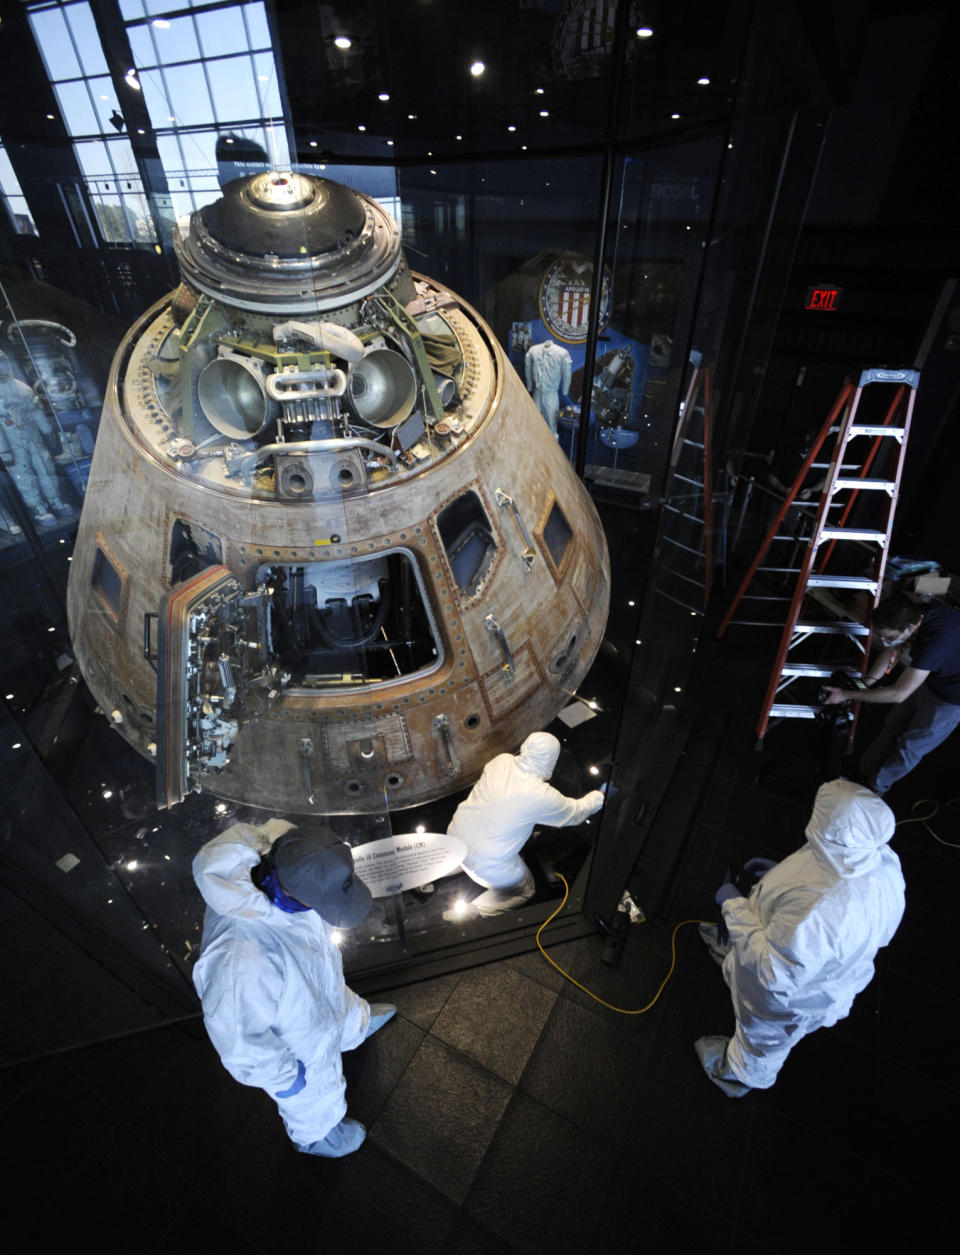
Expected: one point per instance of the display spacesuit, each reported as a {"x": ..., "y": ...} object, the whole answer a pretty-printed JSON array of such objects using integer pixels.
[
  {"x": 802, "y": 944},
  {"x": 496, "y": 819},
  {"x": 547, "y": 368},
  {"x": 270, "y": 976},
  {"x": 23, "y": 424}
]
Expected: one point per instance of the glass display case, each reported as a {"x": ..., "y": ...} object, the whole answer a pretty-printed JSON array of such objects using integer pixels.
[{"x": 371, "y": 384}]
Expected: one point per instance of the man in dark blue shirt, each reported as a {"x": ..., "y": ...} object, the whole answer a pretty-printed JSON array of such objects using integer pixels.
[{"x": 926, "y": 693}]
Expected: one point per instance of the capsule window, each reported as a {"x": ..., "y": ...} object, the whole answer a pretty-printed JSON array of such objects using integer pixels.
[
  {"x": 468, "y": 541},
  {"x": 108, "y": 582},
  {"x": 192, "y": 549},
  {"x": 557, "y": 534}
]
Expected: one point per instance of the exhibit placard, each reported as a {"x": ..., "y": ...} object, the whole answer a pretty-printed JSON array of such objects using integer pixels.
[{"x": 393, "y": 864}]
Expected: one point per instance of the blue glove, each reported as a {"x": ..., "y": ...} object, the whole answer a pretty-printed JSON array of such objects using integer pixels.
[
  {"x": 726, "y": 891},
  {"x": 297, "y": 1085},
  {"x": 759, "y": 866}
]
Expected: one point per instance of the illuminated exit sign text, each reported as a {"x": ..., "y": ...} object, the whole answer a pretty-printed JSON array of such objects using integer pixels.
[{"x": 823, "y": 298}]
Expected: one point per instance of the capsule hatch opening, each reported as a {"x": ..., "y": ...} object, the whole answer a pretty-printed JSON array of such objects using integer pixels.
[{"x": 361, "y": 622}]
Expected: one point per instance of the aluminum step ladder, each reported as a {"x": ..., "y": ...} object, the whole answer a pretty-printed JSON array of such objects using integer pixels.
[
  {"x": 685, "y": 570},
  {"x": 846, "y": 556}
]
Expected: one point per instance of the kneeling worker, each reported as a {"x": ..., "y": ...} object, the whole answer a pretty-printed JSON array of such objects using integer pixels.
[
  {"x": 270, "y": 976},
  {"x": 498, "y": 816}
]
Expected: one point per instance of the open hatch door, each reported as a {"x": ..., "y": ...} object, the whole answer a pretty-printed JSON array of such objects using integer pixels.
[{"x": 210, "y": 647}]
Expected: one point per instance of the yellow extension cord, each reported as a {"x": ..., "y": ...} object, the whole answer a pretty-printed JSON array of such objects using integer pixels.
[
  {"x": 916, "y": 819},
  {"x": 922, "y": 819},
  {"x": 589, "y": 993}
]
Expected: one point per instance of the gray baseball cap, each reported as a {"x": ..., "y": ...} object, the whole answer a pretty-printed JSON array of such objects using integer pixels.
[{"x": 318, "y": 871}]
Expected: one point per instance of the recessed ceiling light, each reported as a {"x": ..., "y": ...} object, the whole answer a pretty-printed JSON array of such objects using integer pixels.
[
  {"x": 384, "y": 96},
  {"x": 703, "y": 82},
  {"x": 644, "y": 32},
  {"x": 477, "y": 68},
  {"x": 511, "y": 128},
  {"x": 342, "y": 41},
  {"x": 361, "y": 127},
  {"x": 544, "y": 113}
]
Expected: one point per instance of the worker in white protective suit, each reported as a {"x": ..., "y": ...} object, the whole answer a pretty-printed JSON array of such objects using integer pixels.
[
  {"x": 802, "y": 944},
  {"x": 270, "y": 976},
  {"x": 496, "y": 819},
  {"x": 547, "y": 369}
]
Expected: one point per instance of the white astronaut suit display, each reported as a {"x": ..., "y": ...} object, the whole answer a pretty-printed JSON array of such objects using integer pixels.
[
  {"x": 802, "y": 944},
  {"x": 23, "y": 425},
  {"x": 496, "y": 819},
  {"x": 547, "y": 370},
  {"x": 270, "y": 978}
]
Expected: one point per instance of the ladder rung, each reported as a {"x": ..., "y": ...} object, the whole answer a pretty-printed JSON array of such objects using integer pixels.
[
  {"x": 852, "y": 533},
  {"x": 875, "y": 485},
  {"x": 785, "y": 711},
  {"x": 817, "y": 668},
  {"x": 842, "y": 581},
  {"x": 687, "y": 548},
  {"x": 685, "y": 479},
  {"x": 861, "y": 429},
  {"x": 683, "y": 514},
  {"x": 761, "y": 597},
  {"x": 780, "y": 570},
  {"x": 843, "y": 628},
  {"x": 680, "y": 576},
  {"x": 757, "y": 623}
]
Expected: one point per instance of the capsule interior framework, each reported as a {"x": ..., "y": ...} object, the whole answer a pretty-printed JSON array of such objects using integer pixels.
[{"x": 331, "y": 558}]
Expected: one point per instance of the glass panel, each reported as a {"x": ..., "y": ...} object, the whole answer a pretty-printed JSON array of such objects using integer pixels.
[
  {"x": 176, "y": 42},
  {"x": 84, "y": 32},
  {"x": 105, "y": 102},
  {"x": 186, "y": 96},
  {"x": 142, "y": 46},
  {"x": 221, "y": 31},
  {"x": 13, "y": 196},
  {"x": 156, "y": 99},
  {"x": 76, "y": 109},
  {"x": 233, "y": 88},
  {"x": 53, "y": 39},
  {"x": 267, "y": 84},
  {"x": 255, "y": 16}
]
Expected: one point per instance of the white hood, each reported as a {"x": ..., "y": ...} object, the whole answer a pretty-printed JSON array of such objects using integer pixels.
[
  {"x": 222, "y": 869},
  {"x": 849, "y": 827},
  {"x": 539, "y": 754}
]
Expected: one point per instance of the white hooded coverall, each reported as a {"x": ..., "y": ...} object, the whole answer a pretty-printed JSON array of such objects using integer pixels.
[
  {"x": 496, "y": 819},
  {"x": 272, "y": 988},
  {"x": 804, "y": 941}
]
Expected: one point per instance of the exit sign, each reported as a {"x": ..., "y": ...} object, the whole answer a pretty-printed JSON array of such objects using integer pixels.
[{"x": 823, "y": 298}]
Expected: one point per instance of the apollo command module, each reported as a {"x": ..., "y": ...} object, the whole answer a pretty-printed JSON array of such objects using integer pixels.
[{"x": 331, "y": 558}]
